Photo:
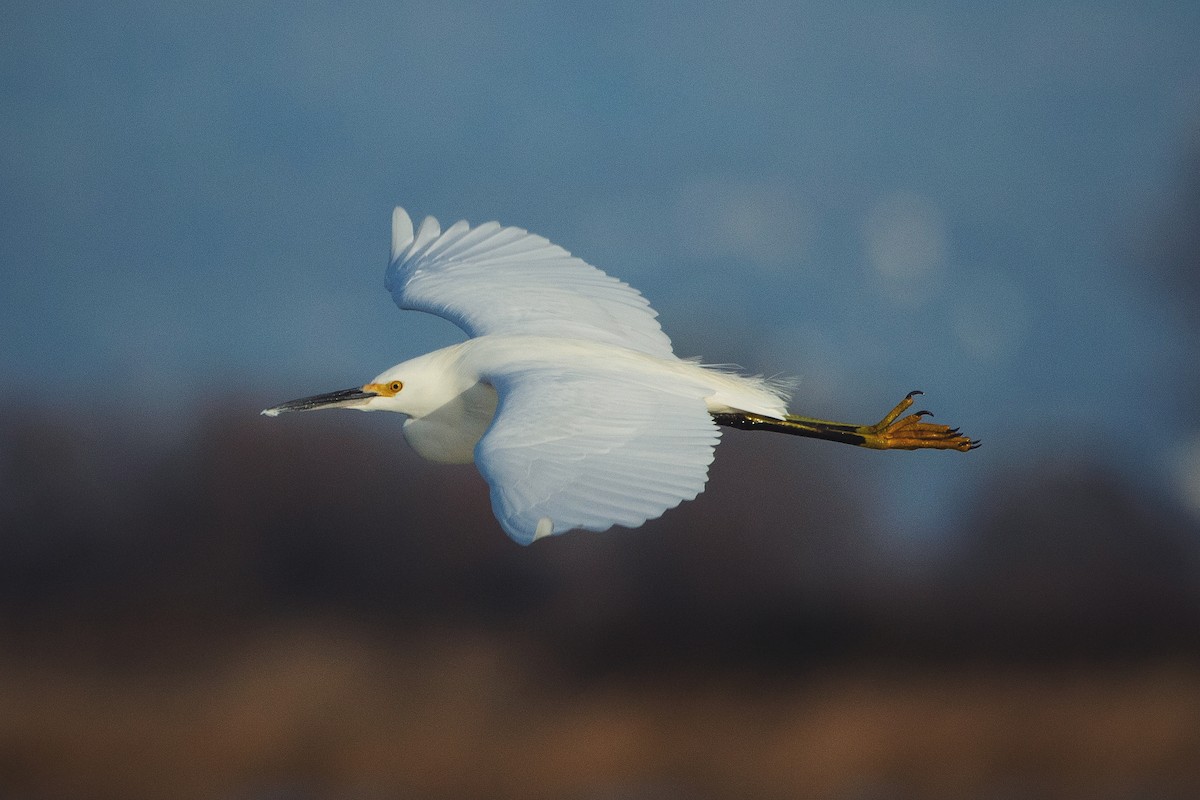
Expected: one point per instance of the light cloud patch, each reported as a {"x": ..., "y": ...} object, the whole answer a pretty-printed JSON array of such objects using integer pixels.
[
  {"x": 1187, "y": 474},
  {"x": 770, "y": 225},
  {"x": 904, "y": 234},
  {"x": 994, "y": 320}
]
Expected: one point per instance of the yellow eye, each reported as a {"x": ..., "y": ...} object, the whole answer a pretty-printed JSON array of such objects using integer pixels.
[{"x": 395, "y": 386}]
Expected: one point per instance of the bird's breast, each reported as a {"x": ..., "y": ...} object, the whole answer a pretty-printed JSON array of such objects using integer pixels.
[{"x": 449, "y": 433}]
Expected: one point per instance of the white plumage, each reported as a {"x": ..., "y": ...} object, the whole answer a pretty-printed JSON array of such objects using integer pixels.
[{"x": 598, "y": 423}]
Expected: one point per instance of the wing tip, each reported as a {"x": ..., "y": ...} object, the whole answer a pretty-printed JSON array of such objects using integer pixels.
[{"x": 402, "y": 231}]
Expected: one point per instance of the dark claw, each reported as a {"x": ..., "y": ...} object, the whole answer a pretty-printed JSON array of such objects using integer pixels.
[
  {"x": 913, "y": 394},
  {"x": 922, "y": 413},
  {"x": 953, "y": 431},
  {"x": 975, "y": 444}
]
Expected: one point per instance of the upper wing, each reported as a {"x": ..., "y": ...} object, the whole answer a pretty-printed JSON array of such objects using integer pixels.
[
  {"x": 490, "y": 279},
  {"x": 570, "y": 449}
]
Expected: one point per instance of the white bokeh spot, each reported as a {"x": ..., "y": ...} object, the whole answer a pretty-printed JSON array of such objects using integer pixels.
[
  {"x": 768, "y": 224},
  {"x": 904, "y": 234},
  {"x": 1187, "y": 474},
  {"x": 994, "y": 320}
]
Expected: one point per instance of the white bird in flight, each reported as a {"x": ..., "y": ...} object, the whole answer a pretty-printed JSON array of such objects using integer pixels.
[{"x": 568, "y": 396}]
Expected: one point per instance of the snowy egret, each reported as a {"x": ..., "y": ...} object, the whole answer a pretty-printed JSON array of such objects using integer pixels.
[{"x": 568, "y": 396}]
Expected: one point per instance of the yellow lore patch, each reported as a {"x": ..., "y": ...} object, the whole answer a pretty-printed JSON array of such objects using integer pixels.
[{"x": 390, "y": 389}]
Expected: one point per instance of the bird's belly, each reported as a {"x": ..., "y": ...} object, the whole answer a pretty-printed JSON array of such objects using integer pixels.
[
  {"x": 440, "y": 442},
  {"x": 449, "y": 434}
]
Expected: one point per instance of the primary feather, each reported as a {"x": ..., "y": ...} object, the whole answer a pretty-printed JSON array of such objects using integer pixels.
[
  {"x": 573, "y": 447},
  {"x": 494, "y": 280}
]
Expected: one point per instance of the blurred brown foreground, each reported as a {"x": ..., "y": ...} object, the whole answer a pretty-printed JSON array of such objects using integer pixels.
[{"x": 266, "y": 610}]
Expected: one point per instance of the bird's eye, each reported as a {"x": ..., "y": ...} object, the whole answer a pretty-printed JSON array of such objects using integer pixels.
[{"x": 395, "y": 386}]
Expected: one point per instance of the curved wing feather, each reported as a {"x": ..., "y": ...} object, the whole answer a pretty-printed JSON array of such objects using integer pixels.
[
  {"x": 496, "y": 280},
  {"x": 591, "y": 450}
]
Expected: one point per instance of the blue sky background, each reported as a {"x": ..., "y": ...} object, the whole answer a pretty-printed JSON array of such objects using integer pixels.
[{"x": 872, "y": 197}]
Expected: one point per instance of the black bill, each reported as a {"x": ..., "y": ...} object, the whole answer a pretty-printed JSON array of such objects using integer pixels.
[{"x": 346, "y": 398}]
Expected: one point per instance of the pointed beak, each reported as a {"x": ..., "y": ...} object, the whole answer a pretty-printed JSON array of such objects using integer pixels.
[{"x": 346, "y": 398}]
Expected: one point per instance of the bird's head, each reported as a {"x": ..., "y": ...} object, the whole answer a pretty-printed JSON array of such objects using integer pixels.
[{"x": 415, "y": 387}]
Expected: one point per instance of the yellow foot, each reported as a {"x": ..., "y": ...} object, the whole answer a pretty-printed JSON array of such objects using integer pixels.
[{"x": 894, "y": 432}]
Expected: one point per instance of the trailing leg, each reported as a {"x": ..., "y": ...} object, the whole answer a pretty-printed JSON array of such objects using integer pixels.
[{"x": 893, "y": 432}]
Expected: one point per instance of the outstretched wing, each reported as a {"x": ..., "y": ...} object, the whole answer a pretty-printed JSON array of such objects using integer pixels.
[
  {"x": 571, "y": 449},
  {"x": 495, "y": 280}
]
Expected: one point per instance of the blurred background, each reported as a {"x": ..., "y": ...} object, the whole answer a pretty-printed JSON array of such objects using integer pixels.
[{"x": 997, "y": 204}]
